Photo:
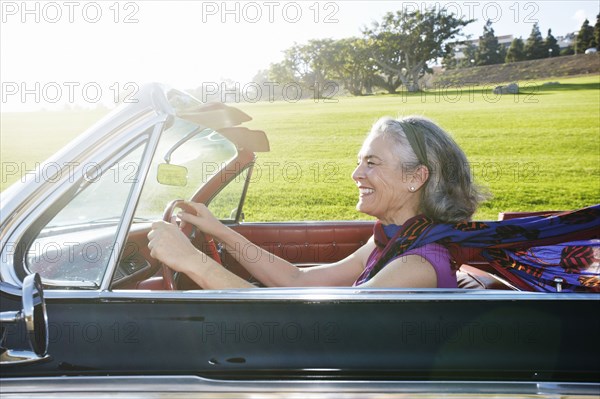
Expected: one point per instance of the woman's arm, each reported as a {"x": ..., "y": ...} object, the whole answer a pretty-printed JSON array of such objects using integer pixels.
[
  {"x": 273, "y": 271},
  {"x": 428, "y": 266},
  {"x": 168, "y": 244},
  {"x": 412, "y": 271}
]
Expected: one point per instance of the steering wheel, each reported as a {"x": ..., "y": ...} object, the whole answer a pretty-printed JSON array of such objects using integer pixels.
[{"x": 191, "y": 232}]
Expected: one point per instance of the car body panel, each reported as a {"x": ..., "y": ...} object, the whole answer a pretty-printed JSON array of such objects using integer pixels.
[{"x": 405, "y": 334}]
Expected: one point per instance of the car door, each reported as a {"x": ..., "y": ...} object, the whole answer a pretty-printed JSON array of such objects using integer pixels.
[{"x": 309, "y": 333}]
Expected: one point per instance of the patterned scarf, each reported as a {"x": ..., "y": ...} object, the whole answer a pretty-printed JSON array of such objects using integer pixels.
[{"x": 549, "y": 253}]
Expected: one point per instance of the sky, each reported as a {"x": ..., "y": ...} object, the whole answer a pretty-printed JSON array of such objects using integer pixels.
[{"x": 85, "y": 53}]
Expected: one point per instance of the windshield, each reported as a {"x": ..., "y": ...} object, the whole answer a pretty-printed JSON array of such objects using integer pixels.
[
  {"x": 73, "y": 248},
  {"x": 103, "y": 194},
  {"x": 76, "y": 244},
  {"x": 201, "y": 151}
]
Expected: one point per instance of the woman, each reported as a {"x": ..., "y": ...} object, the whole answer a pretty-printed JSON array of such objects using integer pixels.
[{"x": 405, "y": 168}]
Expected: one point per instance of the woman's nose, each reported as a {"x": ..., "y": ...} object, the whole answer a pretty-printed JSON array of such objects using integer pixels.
[{"x": 358, "y": 173}]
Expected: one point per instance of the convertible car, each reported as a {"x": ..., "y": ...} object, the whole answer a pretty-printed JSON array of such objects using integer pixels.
[{"x": 86, "y": 312}]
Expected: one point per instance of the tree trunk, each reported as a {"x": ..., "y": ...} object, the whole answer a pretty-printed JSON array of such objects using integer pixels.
[{"x": 413, "y": 84}]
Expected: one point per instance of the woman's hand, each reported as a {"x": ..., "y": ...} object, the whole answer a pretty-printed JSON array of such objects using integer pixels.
[
  {"x": 169, "y": 245},
  {"x": 199, "y": 215}
]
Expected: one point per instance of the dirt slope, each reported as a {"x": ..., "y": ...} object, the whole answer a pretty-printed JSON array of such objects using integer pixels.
[{"x": 518, "y": 71}]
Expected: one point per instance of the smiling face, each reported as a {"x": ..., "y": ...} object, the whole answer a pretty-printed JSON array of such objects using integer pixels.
[{"x": 385, "y": 190}]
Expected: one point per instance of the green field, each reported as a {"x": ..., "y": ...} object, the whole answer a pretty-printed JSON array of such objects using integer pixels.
[{"x": 538, "y": 150}]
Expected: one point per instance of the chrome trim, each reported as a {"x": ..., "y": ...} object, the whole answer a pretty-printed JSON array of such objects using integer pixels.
[
  {"x": 131, "y": 203},
  {"x": 19, "y": 357},
  {"x": 347, "y": 294},
  {"x": 9, "y": 289},
  {"x": 149, "y": 386},
  {"x": 70, "y": 283},
  {"x": 33, "y": 307}
]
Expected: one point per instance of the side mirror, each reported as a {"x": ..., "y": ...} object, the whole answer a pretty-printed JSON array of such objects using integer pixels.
[
  {"x": 172, "y": 175},
  {"x": 34, "y": 316}
]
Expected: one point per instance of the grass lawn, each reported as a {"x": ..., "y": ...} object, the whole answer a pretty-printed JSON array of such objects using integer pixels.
[{"x": 539, "y": 150}]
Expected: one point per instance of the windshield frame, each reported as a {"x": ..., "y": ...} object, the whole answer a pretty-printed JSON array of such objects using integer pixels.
[
  {"x": 16, "y": 244},
  {"x": 146, "y": 140}
]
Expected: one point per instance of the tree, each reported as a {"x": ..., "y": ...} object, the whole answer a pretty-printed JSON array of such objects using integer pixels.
[
  {"x": 489, "y": 52},
  {"x": 551, "y": 45},
  {"x": 516, "y": 51},
  {"x": 307, "y": 65},
  {"x": 469, "y": 52},
  {"x": 585, "y": 38},
  {"x": 460, "y": 55},
  {"x": 353, "y": 66},
  {"x": 534, "y": 46},
  {"x": 388, "y": 59},
  {"x": 281, "y": 72},
  {"x": 597, "y": 32},
  {"x": 567, "y": 51},
  {"x": 571, "y": 40},
  {"x": 404, "y": 42},
  {"x": 259, "y": 89}
]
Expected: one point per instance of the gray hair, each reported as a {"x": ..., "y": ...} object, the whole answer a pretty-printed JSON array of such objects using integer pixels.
[{"x": 449, "y": 195}]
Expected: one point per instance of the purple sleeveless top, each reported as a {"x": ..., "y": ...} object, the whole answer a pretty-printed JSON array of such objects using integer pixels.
[{"x": 434, "y": 253}]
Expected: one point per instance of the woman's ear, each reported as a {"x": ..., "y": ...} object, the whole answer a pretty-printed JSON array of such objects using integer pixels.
[{"x": 420, "y": 176}]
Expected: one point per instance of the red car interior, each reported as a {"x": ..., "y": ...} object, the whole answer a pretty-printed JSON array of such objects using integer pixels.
[{"x": 311, "y": 243}]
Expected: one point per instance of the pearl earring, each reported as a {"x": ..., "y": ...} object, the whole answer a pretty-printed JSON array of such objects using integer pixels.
[{"x": 412, "y": 189}]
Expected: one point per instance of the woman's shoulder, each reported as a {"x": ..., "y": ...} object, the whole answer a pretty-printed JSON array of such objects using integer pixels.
[
  {"x": 440, "y": 259},
  {"x": 430, "y": 248}
]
